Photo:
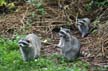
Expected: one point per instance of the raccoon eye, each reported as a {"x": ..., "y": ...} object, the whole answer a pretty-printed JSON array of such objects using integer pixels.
[
  {"x": 61, "y": 32},
  {"x": 83, "y": 20},
  {"x": 81, "y": 24},
  {"x": 28, "y": 41},
  {"x": 24, "y": 43},
  {"x": 68, "y": 31}
]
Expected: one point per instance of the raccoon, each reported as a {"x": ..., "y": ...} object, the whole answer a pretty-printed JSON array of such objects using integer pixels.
[
  {"x": 83, "y": 26},
  {"x": 30, "y": 47},
  {"x": 70, "y": 45}
]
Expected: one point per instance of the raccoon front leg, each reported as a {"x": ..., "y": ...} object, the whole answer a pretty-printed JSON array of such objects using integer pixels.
[{"x": 24, "y": 54}]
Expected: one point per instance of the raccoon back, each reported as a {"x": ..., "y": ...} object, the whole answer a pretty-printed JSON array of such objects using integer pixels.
[{"x": 35, "y": 42}]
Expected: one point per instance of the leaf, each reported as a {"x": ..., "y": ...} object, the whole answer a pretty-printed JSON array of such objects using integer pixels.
[
  {"x": 11, "y": 5},
  {"x": 2, "y": 2},
  {"x": 38, "y": 5}
]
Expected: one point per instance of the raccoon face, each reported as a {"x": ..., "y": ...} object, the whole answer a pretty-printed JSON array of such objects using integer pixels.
[
  {"x": 83, "y": 21},
  {"x": 64, "y": 32},
  {"x": 23, "y": 43}
]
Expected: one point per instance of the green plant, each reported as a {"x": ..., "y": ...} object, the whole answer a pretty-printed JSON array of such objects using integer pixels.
[
  {"x": 38, "y": 5},
  {"x": 2, "y": 2},
  {"x": 6, "y": 7},
  {"x": 93, "y": 4}
]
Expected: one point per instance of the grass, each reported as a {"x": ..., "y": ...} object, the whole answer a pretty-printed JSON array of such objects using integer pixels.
[{"x": 11, "y": 60}]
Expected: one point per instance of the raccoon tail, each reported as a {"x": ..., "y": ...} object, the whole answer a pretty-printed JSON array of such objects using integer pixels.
[{"x": 85, "y": 54}]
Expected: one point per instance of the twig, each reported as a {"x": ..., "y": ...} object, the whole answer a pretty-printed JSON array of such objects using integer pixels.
[{"x": 23, "y": 18}]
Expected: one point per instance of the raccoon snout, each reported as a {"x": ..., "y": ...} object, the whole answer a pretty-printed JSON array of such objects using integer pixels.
[
  {"x": 57, "y": 46},
  {"x": 21, "y": 45}
]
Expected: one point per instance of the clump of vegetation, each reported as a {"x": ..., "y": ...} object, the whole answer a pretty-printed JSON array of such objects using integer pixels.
[
  {"x": 6, "y": 7},
  {"x": 94, "y": 4},
  {"x": 38, "y": 5}
]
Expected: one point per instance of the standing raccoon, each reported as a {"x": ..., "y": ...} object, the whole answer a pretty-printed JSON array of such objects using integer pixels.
[
  {"x": 83, "y": 26},
  {"x": 30, "y": 47},
  {"x": 69, "y": 45}
]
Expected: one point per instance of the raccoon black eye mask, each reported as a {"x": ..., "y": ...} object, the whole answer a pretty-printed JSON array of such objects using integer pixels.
[{"x": 23, "y": 42}]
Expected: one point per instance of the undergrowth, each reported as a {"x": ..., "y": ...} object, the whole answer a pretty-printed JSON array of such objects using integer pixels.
[
  {"x": 95, "y": 4},
  {"x": 38, "y": 5}
]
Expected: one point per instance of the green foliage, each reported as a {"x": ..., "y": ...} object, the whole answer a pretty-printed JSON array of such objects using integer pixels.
[
  {"x": 2, "y": 2},
  {"x": 96, "y": 4},
  {"x": 6, "y": 7},
  {"x": 38, "y": 5},
  {"x": 11, "y": 5},
  {"x": 5, "y": 3}
]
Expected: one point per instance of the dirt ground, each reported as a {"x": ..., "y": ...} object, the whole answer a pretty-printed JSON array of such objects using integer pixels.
[{"x": 14, "y": 23}]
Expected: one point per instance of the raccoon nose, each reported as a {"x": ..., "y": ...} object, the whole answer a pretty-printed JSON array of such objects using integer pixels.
[
  {"x": 57, "y": 47},
  {"x": 61, "y": 34}
]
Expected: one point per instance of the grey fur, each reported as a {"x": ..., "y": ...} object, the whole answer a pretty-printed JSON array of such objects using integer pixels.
[
  {"x": 30, "y": 47},
  {"x": 83, "y": 26},
  {"x": 69, "y": 45}
]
